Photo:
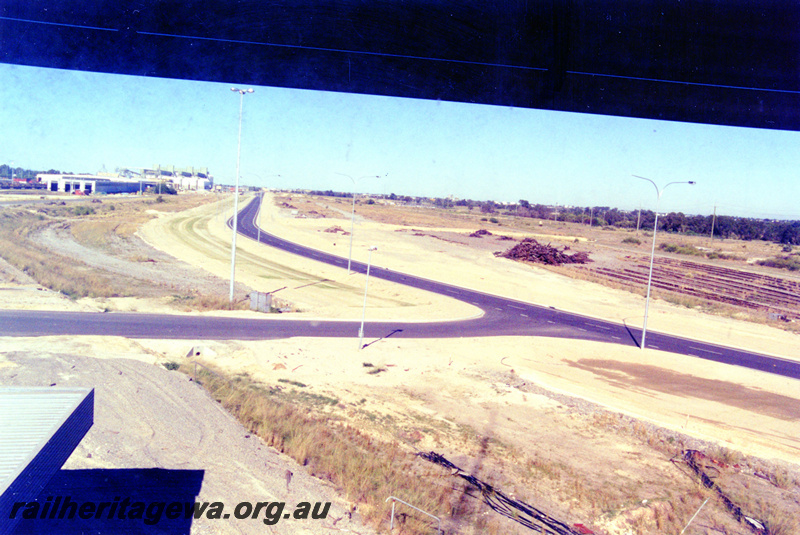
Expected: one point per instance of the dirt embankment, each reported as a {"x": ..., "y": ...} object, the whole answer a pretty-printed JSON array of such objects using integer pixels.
[{"x": 148, "y": 417}]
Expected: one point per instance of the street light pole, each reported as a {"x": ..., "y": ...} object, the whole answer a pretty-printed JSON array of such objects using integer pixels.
[
  {"x": 653, "y": 251},
  {"x": 364, "y": 313},
  {"x": 236, "y": 193},
  {"x": 353, "y": 215},
  {"x": 259, "y": 211}
]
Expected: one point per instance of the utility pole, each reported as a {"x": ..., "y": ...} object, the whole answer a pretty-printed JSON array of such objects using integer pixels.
[
  {"x": 638, "y": 218},
  {"x": 591, "y": 216},
  {"x": 713, "y": 220},
  {"x": 364, "y": 313},
  {"x": 353, "y": 215}
]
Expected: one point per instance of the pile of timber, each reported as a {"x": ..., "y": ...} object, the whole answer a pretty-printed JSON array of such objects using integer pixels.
[
  {"x": 529, "y": 250},
  {"x": 479, "y": 233}
]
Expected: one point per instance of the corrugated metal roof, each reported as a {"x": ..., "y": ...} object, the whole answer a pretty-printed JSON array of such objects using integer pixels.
[{"x": 32, "y": 422}]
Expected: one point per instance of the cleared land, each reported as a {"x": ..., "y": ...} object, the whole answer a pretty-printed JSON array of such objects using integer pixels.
[{"x": 583, "y": 431}]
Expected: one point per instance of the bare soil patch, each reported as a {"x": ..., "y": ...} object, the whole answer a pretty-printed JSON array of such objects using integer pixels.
[
  {"x": 148, "y": 417},
  {"x": 89, "y": 248},
  {"x": 582, "y": 430},
  {"x": 728, "y": 282}
]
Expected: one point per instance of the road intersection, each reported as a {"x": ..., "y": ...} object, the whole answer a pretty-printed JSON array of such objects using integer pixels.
[{"x": 501, "y": 317}]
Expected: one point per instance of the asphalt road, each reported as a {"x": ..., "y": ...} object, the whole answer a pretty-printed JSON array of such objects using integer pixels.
[{"x": 501, "y": 317}]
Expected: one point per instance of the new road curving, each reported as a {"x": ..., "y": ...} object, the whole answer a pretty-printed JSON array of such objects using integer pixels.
[{"x": 501, "y": 317}]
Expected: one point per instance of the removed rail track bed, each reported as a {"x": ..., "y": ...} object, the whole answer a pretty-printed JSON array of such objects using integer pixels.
[{"x": 583, "y": 431}]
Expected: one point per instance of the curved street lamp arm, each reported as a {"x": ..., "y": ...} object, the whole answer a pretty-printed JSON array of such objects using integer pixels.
[
  {"x": 679, "y": 182},
  {"x": 658, "y": 191}
]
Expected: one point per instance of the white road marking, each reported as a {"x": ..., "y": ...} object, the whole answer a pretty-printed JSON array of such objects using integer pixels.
[
  {"x": 553, "y": 322},
  {"x": 598, "y": 326},
  {"x": 706, "y": 350},
  {"x": 654, "y": 347},
  {"x": 518, "y": 308},
  {"x": 525, "y": 315},
  {"x": 616, "y": 338},
  {"x": 581, "y": 329}
]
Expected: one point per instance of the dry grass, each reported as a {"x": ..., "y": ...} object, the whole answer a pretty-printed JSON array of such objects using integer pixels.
[
  {"x": 320, "y": 433},
  {"x": 95, "y": 225},
  {"x": 66, "y": 275},
  {"x": 201, "y": 303},
  {"x": 366, "y": 470},
  {"x": 682, "y": 300}
]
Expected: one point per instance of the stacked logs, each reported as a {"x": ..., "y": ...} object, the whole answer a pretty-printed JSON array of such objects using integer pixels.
[
  {"x": 479, "y": 233},
  {"x": 529, "y": 250}
]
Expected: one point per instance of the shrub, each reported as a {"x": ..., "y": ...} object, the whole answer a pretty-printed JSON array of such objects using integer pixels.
[
  {"x": 792, "y": 264},
  {"x": 493, "y": 220},
  {"x": 635, "y": 241},
  {"x": 83, "y": 210},
  {"x": 681, "y": 249}
]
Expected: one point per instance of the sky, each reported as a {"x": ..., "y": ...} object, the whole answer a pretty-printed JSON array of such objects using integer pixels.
[{"x": 83, "y": 122}]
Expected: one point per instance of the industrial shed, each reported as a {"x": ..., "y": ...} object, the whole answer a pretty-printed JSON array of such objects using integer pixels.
[
  {"x": 93, "y": 184},
  {"x": 41, "y": 427}
]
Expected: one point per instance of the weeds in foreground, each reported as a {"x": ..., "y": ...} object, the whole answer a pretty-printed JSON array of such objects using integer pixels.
[
  {"x": 366, "y": 470},
  {"x": 208, "y": 302},
  {"x": 62, "y": 274},
  {"x": 313, "y": 430}
]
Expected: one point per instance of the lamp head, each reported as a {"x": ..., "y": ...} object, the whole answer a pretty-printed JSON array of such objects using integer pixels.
[{"x": 692, "y": 182}]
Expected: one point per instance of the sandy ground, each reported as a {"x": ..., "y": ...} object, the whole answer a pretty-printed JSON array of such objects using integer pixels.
[
  {"x": 625, "y": 379},
  {"x": 316, "y": 289},
  {"x": 132, "y": 397},
  {"x": 493, "y": 387},
  {"x": 435, "y": 259}
]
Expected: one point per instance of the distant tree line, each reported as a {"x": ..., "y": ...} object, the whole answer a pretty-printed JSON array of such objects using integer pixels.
[
  {"x": 392, "y": 197},
  {"x": 6, "y": 171},
  {"x": 743, "y": 228}
]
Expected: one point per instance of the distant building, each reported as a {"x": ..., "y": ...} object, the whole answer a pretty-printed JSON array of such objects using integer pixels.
[
  {"x": 89, "y": 184},
  {"x": 130, "y": 180}
]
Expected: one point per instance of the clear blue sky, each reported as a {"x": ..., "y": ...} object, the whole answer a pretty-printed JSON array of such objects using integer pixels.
[{"x": 78, "y": 121}]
